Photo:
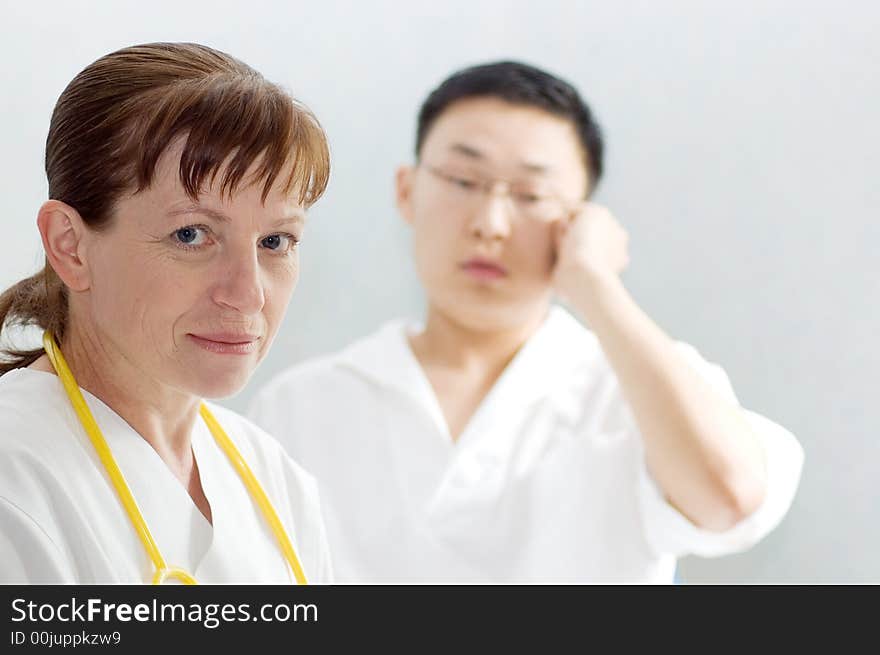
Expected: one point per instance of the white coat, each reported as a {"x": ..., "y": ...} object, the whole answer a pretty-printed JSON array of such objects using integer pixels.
[
  {"x": 62, "y": 522},
  {"x": 547, "y": 482}
]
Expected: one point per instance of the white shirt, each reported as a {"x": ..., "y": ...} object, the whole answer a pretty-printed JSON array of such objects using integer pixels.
[
  {"x": 547, "y": 482},
  {"x": 62, "y": 522}
]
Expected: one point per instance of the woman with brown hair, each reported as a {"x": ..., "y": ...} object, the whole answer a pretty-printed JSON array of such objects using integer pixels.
[{"x": 178, "y": 184}]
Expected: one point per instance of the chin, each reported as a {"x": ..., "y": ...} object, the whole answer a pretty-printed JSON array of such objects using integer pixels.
[
  {"x": 491, "y": 314},
  {"x": 215, "y": 385}
]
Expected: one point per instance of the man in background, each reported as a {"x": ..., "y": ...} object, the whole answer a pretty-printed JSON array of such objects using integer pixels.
[{"x": 504, "y": 438}]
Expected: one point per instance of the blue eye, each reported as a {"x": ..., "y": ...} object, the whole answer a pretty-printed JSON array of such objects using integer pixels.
[
  {"x": 187, "y": 235},
  {"x": 278, "y": 242},
  {"x": 191, "y": 236}
]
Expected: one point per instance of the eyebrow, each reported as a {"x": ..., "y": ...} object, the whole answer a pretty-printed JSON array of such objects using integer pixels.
[
  {"x": 473, "y": 153},
  {"x": 204, "y": 211},
  {"x": 220, "y": 217}
]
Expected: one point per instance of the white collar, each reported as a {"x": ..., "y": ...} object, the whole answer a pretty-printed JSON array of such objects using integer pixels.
[{"x": 560, "y": 345}]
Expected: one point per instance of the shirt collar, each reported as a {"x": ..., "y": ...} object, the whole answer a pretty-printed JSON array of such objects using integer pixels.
[{"x": 560, "y": 345}]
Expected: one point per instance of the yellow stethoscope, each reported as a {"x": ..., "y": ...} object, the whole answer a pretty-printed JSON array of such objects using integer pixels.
[{"x": 163, "y": 571}]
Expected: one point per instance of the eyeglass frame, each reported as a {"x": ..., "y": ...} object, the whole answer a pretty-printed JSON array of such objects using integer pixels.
[{"x": 487, "y": 186}]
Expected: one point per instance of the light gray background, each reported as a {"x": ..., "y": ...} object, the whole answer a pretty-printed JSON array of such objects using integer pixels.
[{"x": 743, "y": 146}]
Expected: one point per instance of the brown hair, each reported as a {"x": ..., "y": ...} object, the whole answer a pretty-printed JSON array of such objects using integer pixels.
[{"x": 115, "y": 119}]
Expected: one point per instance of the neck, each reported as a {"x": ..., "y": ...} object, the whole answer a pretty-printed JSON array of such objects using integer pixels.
[
  {"x": 162, "y": 416},
  {"x": 451, "y": 344}
]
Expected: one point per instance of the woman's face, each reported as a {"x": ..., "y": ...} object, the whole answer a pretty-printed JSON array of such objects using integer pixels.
[{"x": 191, "y": 294}]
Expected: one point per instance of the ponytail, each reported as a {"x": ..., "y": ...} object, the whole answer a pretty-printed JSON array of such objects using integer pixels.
[{"x": 38, "y": 301}]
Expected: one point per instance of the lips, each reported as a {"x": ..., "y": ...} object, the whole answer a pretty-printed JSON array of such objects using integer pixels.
[
  {"x": 484, "y": 269},
  {"x": 226, "y": 343}
]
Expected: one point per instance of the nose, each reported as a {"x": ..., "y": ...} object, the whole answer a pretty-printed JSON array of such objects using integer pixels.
[
  {"x": 239, "y": 283},
  {"x": 492, "y": 216}
]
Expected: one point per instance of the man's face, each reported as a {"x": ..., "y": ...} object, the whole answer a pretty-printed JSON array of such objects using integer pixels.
[
  {"x": 192, "y": 293},
  {"x": 486, "y": 259}
]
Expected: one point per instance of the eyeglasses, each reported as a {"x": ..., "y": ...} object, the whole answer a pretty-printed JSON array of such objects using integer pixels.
[{"x": 528, "y": 203}]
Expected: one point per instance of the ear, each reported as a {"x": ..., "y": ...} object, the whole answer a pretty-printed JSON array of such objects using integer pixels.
[
  {"x": 62, "y": 230},
  {"x": 404, "y": 185}
]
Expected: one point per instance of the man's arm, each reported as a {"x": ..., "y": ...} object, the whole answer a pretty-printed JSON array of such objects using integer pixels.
[{"x": 699, "y": 446}]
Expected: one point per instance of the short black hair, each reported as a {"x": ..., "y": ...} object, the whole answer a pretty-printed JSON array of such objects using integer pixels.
[{"x": 519, "y": 84}]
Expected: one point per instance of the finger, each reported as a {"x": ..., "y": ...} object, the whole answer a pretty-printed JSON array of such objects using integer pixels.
[
  {"x": 579, "y": 210},
  {"x": 596, "y": 207},
  {"x": 560, "y": 229}
]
